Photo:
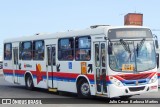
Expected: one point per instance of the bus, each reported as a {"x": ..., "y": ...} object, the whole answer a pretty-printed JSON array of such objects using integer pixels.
[{"x": 103, "y": 60}]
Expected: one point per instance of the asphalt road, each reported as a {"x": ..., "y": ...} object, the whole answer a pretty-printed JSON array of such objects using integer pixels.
[{"x": 8, "y": 90}]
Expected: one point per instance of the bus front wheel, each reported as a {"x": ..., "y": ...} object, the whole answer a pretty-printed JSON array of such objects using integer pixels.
[
  {"x": 83, "y": 89},
  {"x": 29, "y": 82}
]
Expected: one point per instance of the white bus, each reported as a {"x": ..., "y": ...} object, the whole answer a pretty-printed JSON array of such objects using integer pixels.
[{"x": 102, "y": 60}]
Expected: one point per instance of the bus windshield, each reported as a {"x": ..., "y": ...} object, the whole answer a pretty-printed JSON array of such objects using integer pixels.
[{"x": 132, "y": 56}]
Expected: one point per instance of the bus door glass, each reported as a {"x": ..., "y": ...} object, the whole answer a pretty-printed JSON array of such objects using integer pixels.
[
  {"x": 51, "y": 64},
  {"x": 15, "y": 63},
  {"x": 100, "y": 67}
]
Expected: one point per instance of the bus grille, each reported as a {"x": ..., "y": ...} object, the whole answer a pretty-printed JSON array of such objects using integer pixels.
[
  {"x": 135, "y": 82},
  {"x": 136, "y": 88}
]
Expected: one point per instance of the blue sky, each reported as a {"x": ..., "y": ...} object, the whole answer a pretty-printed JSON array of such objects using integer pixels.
[{"x": 27, "y": 17}]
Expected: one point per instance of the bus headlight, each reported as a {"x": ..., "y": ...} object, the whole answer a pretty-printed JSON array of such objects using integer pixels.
[
  {"x": 153, "y": 79},
  {"x": 116, "y": 82}
]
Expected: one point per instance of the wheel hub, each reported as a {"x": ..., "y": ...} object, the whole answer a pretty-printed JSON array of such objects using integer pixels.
[{"x": 85, "y": 88}]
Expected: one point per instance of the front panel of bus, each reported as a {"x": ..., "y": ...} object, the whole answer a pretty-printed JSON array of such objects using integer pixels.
[{"x": 131, "y": 62}]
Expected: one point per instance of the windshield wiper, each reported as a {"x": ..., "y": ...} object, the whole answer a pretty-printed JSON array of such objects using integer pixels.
[
  {"x": 125, "y": 45},
  {"x": 139, "y": 46}
]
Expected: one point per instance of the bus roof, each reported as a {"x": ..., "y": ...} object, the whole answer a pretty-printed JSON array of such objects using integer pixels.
[{"x": 98, "y": 29}]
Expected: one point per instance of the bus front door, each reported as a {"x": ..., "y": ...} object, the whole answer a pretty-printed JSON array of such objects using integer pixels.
[
  {"x": 51, "y": 66},
  {"x": 15, "y": 63},
  {"x": 100, "y": 67}
]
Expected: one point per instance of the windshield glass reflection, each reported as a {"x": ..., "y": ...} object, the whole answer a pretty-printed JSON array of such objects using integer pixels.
[{"x": 132, "y": 56}]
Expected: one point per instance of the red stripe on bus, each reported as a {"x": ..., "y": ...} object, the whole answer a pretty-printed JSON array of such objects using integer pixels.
[
  {"x": 135, "y": 76},
  {"x": 7, "y": 71},
  {"x": 57, "y": 74},
  {"x": 152, "y": 74},
  {"x": 158, "y": 74},
  {"x": 22, "y": 72},
  {"x": 64, "y": 75},
  {"x": 43, "y": 73},
  {"x": 119, "y": 77}
]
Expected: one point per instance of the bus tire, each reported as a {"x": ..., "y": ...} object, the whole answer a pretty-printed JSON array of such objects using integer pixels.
[
  {"x": 29, "y": 82},
  {"x": 83, "y": 89}
]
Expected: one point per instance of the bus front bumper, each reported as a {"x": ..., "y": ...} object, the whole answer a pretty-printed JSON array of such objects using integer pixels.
[{"x": 115, "y": 91}]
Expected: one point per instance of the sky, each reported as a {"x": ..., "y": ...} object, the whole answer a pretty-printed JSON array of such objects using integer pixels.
[{"x": 28, "y": 17}]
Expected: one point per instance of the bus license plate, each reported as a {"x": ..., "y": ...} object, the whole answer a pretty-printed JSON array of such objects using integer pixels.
[{"x": 127, "y": 67}]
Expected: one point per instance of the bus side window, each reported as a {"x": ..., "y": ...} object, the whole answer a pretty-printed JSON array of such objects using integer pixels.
[
  {"x": 66, "y": 49},
  {"x": 20, "y": 50},
  {"x": 48, "y": 54},
  {"x": 38, "y": 50},
  {"x": 8, "y": 51},
  {"x": 54, "y": 55},
  {"x": 103, "y": 52},
  {"x": 97, "y": 59},
  {"x": 157, "y": 56},
  {"x": 83, "y": 48},
  {"x": 26, "y": 50}
]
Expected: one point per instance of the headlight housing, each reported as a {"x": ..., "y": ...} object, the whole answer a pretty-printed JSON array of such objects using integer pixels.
[
  {"x": 116, "y": 82},
  {"x": 153, "y": 79}
]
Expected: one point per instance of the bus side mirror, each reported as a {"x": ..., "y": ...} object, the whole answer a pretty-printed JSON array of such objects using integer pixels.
[
  {"x": 157, "y": 57},
  {"x": 156, "y": 43},
  {"x": 110, "y": 49}
]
